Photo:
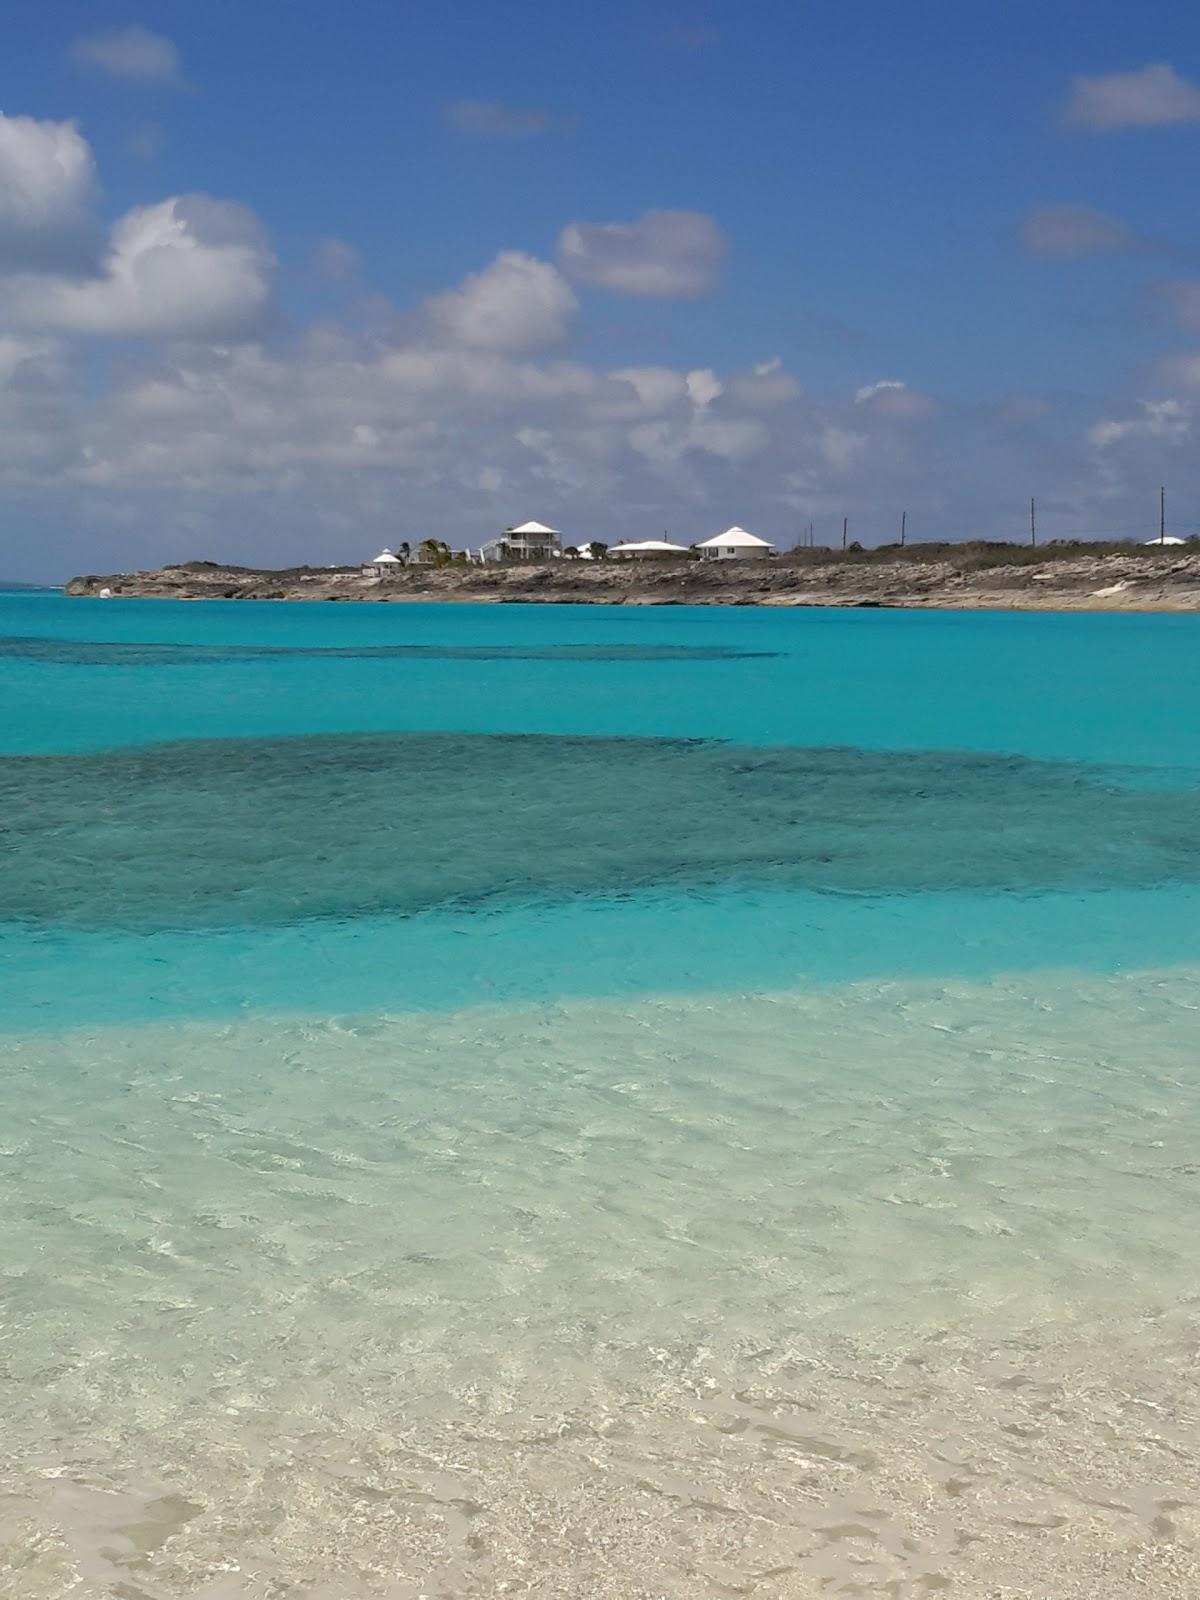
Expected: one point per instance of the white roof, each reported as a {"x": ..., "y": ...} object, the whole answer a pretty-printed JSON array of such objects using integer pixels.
[
  {"x": 1170, "y": 539},
  {"x": 739, "y": 538},
  {"x": 663, "y": 546},
  {"x": 533, "y": 527},
  {"x": 385, "y": 558}
]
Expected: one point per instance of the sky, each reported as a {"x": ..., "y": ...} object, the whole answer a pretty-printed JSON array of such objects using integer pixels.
[{"x": 285, "y": 281}]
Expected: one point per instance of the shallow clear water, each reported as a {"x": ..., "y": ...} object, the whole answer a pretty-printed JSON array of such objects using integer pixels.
[{"x": 597, "y": 1102}]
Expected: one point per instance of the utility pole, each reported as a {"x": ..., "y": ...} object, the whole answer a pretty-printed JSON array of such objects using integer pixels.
[
  {"x": 1162, "y": 515},
  {"x": 903, "y": 527},
  {"x": 1032, "y": 522},
  {"x": 845, "y": 525}
]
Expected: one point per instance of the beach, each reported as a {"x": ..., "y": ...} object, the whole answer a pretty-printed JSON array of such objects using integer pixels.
[
  {"x": 693, "y": 1299},
  {"x": 538, "y": 1099},
  {"x": 599, "y": 803}
]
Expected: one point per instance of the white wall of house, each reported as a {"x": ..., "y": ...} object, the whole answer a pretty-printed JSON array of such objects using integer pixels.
[{"x": 736, "y": 552}]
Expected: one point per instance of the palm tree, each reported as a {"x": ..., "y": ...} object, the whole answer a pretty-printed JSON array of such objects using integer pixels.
[{"x": 434, "y": 552}]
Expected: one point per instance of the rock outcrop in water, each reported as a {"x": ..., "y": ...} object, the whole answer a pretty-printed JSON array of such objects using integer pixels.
[{"x": 1132, "y": 578}]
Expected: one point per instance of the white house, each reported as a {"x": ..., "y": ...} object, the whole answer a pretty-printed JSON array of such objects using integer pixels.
[
  {"x": 528, "y": 541},
  {"x": 642, "y": 549},
  {"x": 733, "y": 545},
  {"x": 533, "y": 541},
  {"x": 383, "y": 564}
]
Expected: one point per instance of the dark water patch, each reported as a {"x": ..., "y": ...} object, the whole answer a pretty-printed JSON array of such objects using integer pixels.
[
  {"x": 263, "y": 832},
  {"x": 122, "y": 653}
]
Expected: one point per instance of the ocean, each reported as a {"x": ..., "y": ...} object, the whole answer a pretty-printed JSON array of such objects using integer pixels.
[{"x": 597, "y": 1102}]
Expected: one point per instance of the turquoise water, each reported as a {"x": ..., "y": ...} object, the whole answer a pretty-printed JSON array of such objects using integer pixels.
[
  {"x": 597, "y": 1101},
  {"x": 591, "y": 780}
]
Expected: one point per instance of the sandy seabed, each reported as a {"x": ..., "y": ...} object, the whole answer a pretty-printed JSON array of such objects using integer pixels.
[{"x": 880, "y": 1290}]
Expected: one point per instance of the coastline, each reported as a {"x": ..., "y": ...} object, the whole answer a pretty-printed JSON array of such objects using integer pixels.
[{"x": 1138, "y": 580}]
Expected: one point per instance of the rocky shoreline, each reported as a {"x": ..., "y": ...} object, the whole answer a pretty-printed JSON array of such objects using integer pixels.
[{"x": 1135, "y": 579}]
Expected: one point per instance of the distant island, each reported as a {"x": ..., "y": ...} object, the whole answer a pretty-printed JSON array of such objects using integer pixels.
[{"x": 1079, "y": 576}]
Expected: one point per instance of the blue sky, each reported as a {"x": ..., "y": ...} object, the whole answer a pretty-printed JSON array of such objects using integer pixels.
[{"x": 616, "y": 266}]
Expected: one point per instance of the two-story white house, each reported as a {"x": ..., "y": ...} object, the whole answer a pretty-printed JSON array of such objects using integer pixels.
[{"x": 528, "y": 541}]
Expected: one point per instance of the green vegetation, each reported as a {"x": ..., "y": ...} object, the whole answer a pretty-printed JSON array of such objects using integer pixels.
[{"x": 974, "y": 555}]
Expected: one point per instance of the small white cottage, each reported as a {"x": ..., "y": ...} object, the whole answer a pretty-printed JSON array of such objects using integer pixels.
[
  {"x": 734, "y": 544},
  {"x": 383, "y": 564}
]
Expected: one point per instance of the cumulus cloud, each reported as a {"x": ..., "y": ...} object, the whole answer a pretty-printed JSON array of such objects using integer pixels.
[
  {"x": 654, "y": 390},
  {"x": 703, "y": 387},
  {"x": 1068, "y": 231},
  {"x": 665, "y": 254},
  {"x": 185, "y": 267},
  {"x": 840, "y": 447},
  {"x": 1153, "y": 96},
  {"x": 665, "y": 445},
  {"x": 455, "y": 409},
  {"x": 494, "y": 119},
  {"x": 47, "y": 194},
  {"x": 39, "y": 432},
  {"x": 133, "y": 53},
  {"x": 518, "y": 303},
  {"x": 335, "y": 260},
  {"x": 329, "y": 430},
  {"x": 765, "y": 386},
  {"x": 1164, "y": 420},
  {"x": 891, "y": 398}
]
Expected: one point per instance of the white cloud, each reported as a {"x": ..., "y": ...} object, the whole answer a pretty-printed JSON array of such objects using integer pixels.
[
  {"x": 1153, "y": 96},
  {"x": 665, "y": 444},
  {"x": 493, "y": 119},
  {"x": 132, "y": 53},
  {"x": 335, "y": 260},
  {"x": 840, "y": 447},
  {"x": 1067, "y": 231},
  {"x": 655, "y": 389},
  {"x": 39, "y": 433},
  {"x": 517, "y": 303},
  {"x": 186, "y": 267},
  {"x": 696, "y": 428},
  {"x": 47, "y": 192},
  {"x": 664, "y": 254},
  {"x": 730, "y": 438},
  {"x": 765, "y": 386},
  {"x": 454, "y": 410},
  {"x": 703, "y": 387},
  {"x": 1164, "y": 420},
  {"x": 891, "y": 398},
  {"x": 330, "y": 430}
]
